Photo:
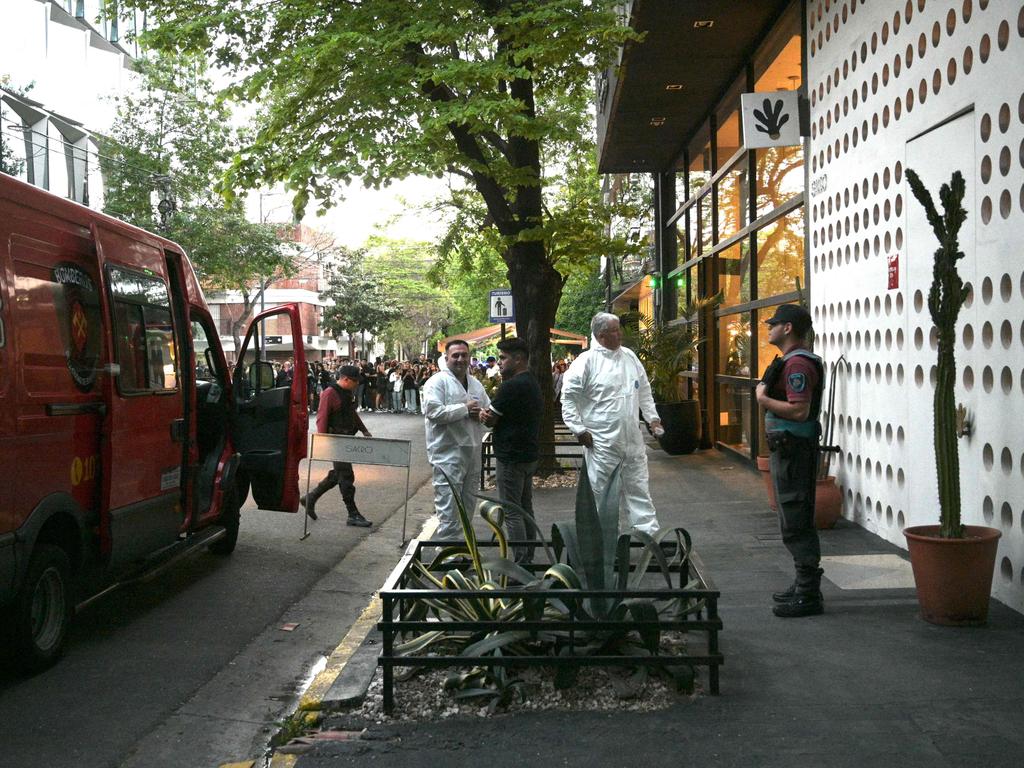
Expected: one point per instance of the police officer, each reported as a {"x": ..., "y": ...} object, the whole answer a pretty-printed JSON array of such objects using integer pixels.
[
  {"x": 337, "y": 416},
  {"x": 790, "y": 393}
]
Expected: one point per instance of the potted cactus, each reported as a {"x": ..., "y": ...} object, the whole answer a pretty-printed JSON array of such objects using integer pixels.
[{"x": 953, "y": 563}]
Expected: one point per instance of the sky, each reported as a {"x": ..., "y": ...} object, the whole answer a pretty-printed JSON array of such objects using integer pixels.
[{"x": 394, "y": 212}]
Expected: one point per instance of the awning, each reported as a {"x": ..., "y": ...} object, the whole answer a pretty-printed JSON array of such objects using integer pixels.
[
  {"x": 668, "y": 82},
  {"x": 483, "y": 335}
]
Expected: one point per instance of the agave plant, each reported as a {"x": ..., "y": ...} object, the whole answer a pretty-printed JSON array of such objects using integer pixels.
[{"x": 597, "y": 559}]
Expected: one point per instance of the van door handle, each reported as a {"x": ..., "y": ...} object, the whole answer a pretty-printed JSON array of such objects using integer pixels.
[
  {"x": 75, "y": 409},
  {"x": 178, "y": 430}
]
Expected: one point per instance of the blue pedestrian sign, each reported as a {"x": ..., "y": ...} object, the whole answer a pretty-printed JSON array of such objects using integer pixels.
[{"x": 501, "y": 306}]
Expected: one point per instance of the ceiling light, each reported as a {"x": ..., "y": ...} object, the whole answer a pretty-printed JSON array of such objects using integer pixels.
[
  {"x": 704, "y": 24},
  {"x": 674, "y": 87},
  {"x": 657, "y": 122}
]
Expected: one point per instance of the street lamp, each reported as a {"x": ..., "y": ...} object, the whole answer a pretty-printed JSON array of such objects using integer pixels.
[{"x": 165, "y": 194}]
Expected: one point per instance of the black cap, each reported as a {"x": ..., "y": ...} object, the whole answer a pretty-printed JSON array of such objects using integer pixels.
[
  {"x": 791, "y": 313},
  {"x": 349, "y": 372}
]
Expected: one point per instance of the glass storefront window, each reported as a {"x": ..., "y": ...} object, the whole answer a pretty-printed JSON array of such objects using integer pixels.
[
  {"x": 680, "y": 232},
  {"x": 780, "y": 255},
  {"x": 734, "y": 351},
  {"x": 733, "y": 201},
  {"x": 700, "y": 162},
  {"x": 728, "y": 137},
  {"x": 734, "y": 419},
  {"x": 733, "y": 267},
  {"x": 686, "y": 290},
  {"x": 780, "y": 176},
  {"x": 765, "y": 352},
  {"x": 701, "y": 231},
  {"x": 681, "y": 193},
  {"x": 777, "y": 67}
]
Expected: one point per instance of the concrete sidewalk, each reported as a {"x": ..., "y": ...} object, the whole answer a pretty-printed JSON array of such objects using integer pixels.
[{"x": 867, "y": 683}]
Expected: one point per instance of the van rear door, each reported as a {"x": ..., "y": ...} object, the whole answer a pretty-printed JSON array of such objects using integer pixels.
[{"x": 271, "y": 422}]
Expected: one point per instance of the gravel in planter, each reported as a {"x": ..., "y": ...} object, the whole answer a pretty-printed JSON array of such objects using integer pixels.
[{"x": 423, "y": 697}]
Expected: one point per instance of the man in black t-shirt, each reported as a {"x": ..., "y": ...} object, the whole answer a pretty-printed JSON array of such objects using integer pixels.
[{"x": 515, "y": 414}]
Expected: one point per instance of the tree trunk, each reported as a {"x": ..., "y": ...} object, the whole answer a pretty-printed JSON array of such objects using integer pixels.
[{"x": 536, "y": 291}]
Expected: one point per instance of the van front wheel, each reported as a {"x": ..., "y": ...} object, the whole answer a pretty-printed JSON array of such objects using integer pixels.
[{"x": 42, "y": 611}]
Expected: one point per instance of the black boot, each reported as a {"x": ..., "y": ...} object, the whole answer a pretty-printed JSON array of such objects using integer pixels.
[
  {"x": 809, "y": 604},
  {"x": 807, "y": 599},
  {"x": 785, "y": 595},
  {"x": 309, "y": 502},
  {"x": 356, "y": 519}
]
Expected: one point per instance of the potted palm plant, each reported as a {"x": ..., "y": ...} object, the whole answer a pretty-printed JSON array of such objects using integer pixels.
[
  {"x": 953, "y": 563},
  {"x": 666, "y": 353}
]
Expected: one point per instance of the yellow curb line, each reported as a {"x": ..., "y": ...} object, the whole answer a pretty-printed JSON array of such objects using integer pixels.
[{"x": 312, "y": 699}]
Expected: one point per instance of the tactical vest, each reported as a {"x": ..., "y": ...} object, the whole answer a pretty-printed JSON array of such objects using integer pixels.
[
  {"x": 809, "y": 427},
  {"x": 342, "y": 421}
]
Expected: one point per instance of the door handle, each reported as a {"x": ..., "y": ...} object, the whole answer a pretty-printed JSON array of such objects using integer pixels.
[
  {"x": 75, "y": 409},
  {"x": 178, "y": 430}
]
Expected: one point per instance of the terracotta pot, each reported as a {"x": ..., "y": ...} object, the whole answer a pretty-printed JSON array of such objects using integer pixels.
[
  {"x": 764, "y": 467},
  {"x": 828, "y": 503},
  {"x": 953, "y": 576}
]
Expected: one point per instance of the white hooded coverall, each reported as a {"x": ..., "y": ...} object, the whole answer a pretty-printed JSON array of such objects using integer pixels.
[
  {"x": 453, "y": 444},
  {"x": 602, "y": 393}
]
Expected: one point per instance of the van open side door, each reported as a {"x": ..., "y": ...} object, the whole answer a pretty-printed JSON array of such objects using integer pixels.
[{"x": 271, "y": 422}]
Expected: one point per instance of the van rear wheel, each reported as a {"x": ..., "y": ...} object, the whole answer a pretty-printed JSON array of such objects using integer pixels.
[{"x": 42, "y": 611}]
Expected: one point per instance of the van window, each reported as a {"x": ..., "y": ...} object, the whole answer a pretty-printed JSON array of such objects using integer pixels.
[
  {"x": 206, "y": 359},
  {"x": 144, "y": 339}
]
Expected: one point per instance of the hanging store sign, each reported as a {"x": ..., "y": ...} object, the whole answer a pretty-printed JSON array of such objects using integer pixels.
[{"x": 771, "y": 119}]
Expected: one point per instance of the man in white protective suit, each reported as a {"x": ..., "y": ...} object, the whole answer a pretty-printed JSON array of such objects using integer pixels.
[
  {"x": 452, "y": 402},
  {"x": 603, "y": 392}
]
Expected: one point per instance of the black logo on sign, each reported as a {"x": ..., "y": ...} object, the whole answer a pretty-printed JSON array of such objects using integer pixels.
[
  {"x": 78, "y": 312},
  {"x": 771, "y": 120}
]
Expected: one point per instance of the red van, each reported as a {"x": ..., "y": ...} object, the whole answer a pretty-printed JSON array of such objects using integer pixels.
[{"x": 124, "y": 437}]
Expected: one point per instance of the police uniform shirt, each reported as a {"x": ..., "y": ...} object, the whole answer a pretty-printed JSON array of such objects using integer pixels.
[{"x": 797, "y": 384}]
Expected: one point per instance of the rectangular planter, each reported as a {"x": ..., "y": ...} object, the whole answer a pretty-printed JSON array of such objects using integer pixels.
[{"x": 702, "y": 626}]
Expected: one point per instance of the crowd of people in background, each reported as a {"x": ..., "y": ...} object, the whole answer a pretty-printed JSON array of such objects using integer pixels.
[{"x": 393, "y": 386}]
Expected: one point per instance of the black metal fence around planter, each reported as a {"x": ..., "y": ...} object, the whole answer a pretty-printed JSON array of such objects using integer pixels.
[{"x": 702, "y": 623}]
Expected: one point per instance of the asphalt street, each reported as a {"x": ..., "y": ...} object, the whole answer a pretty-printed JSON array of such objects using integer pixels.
[{"x": 193, "y": 666}]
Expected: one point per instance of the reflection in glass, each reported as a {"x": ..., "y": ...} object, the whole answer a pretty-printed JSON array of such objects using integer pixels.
[
  {"x": 734, "y": 404},
  {"x": 780, "y": 176},
  {"x": 733, "y": 267},
  {"x": 765, "y": 352},
  {"x": 700, "y": 169},
  {"x": 728, "y": 137},
  {"x": 733, "y": 201},
  {"x": 686, "y": 290},
  {"x": 734, "y": 345},
  {"x": 780, "y": 255}
]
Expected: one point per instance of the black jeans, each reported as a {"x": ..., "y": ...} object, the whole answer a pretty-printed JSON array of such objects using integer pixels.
[
  {"x": 515, "y": 484},
  {"x": 344, "y": 477},
  {"x": 794, "y": 463}
]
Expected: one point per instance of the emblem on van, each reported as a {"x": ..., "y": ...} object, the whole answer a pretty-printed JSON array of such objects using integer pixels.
[{"x": 78, "y": 313}]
